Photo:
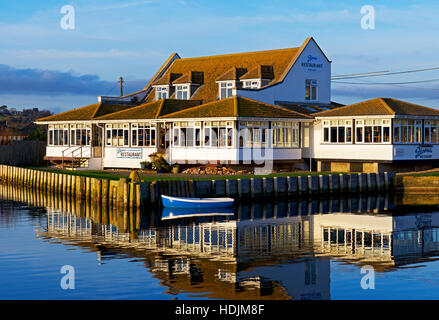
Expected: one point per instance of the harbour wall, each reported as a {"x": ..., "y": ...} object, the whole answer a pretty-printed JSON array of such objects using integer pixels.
[{"x": 124, "y": 193}]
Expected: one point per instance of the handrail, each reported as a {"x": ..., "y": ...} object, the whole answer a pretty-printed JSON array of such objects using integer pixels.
[{"x": 71, "y": 153}]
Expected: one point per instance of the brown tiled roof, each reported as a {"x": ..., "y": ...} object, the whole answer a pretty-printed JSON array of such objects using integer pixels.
[
  {"x": 259, "y": 72},
  {"x": 167, "y": 79},
  {"x": 216, "y": 67},
  {"x": 236, "y": 107},
  {"x": 85, "y": 113},
  {"x": 232, "y": 74},
  {"x": 151, "y": 110},
  {"x": 380, "y": 106},
  {"x": 309, "y": 108}
]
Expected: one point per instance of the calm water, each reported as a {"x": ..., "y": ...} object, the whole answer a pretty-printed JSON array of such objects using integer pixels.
[{"x": 307, "y": 249}]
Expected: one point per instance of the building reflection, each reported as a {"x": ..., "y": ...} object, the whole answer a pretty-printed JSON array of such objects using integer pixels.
[{"x": 264, "y": 251}]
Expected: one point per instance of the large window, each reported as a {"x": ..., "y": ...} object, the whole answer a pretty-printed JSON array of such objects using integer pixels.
[
  {"x": 218, "y": 134},
  {"x": 143, "y": 134},
  {"x": 187, "y": 134},
  {"x": 372, "y": 131},
  {"x": 161, "y": 93},
  {"x": 226, "y": 89},
  {"x": 182, "y": 92},
  {"x": 58, "y": 135},
  {"x": 285, "y": 134},
  {"x": 407, "y": 131},
  {"x": 253, "y": 134},
  {"x": 80, "y": 134},
  {"x": 431, "y": 131},
  {"x": 337, "y": 131},
  {"x": 117, "y": 134},
  {"x": 310, "y": 89}
]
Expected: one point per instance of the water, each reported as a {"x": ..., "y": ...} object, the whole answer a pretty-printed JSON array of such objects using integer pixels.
[{"x": 301, "y": 249}]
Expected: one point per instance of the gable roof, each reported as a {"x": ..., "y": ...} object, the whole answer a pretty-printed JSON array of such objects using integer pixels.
[
  {"x": 85, "y": 113},
  {"x": 236, "y": 107},
  {"x": 151, "y": 110},
  {"x": 217, "y": 68},
  {"x": 380, "y": 106}
]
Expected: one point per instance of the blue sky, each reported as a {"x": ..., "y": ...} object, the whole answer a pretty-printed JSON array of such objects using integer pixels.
[{"x": 45, "y": 66}]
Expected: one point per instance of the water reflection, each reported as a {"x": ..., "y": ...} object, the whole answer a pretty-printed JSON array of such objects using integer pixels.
[{"x": 264, "y": 251}]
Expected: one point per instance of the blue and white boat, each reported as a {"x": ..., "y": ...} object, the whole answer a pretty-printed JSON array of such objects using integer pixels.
[
  {"x": 179, "y": 213},
  {"x": 179, "y": 202}
]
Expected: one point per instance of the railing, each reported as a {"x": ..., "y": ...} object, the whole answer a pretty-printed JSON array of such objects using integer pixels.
[{"x": 72, "y": 153}]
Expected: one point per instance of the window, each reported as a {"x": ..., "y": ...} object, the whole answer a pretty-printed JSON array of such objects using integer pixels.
[
  {"x": 218, "y": 134},
  {"x": 252, "y": 84},
  {"x": 187, "y": 134},
  {"x": 80, "y": 135},
  {"x": 161, "y": 93},
  {"x": 182, "y": 92},
  {"x": 58, "y": 135},
  {"x": 407, "y": 131},
  {"x": 372, "y": 131},
  {"x": 143, "y": 134},
  {"x": 226, "y": 89},
  {"x": 337, "y": 131},
  {"x": 310, "y": 89},
  {"x": 117, "y": 134},
  {"x": 431, "y": 131},
  {"x": 285, "y": 134}
]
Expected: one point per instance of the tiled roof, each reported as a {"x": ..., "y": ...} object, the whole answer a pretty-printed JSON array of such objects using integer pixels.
[
  {"x": 307, "y": 108},
  {"x": 167, "y": 79},
  {"x": 236, "y": 107},
  {"x": 151, "y": 110},
  {"x": 85, "y": 113},
  {"x": 259, "y": 72},
  {"x": 380, "y": 106},
  {"x": 218, "y": 67},
  {"x": 232, "y": 74},
  {"x": 193, "y": 77}
]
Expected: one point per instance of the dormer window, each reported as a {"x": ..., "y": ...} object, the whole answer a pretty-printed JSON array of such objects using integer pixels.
[
  {"x": 161, "y": 92},
  {"x": 182, "y": 92},
  {"x": 226, "y": 89}
]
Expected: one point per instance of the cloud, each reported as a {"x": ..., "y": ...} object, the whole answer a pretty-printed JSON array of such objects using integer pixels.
[
  {"x": 428, "y": 94},
  {"x": 52, "y": 82}
]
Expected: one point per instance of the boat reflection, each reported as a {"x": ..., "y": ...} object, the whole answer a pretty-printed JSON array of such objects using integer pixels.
[
  {"x": 174, "y": 213},
  {"x": 259, "y": 251}
]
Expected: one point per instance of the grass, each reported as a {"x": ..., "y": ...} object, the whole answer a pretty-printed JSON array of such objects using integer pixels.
[{"x": 116, "y": 175}]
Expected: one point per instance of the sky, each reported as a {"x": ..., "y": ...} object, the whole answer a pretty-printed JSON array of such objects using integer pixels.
[{"x": 45, "y": 65}]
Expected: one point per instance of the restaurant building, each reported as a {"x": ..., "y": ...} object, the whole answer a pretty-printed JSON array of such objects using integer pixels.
[
  {"x": 268, "y": 108},
  {"x": 227, "y": 109}
]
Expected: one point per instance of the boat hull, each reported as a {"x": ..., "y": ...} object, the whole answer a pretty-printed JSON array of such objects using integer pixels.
[{"x": 177, "y": 202}]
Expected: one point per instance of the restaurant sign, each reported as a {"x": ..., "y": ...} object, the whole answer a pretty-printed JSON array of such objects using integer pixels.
[
  {"x": 312, "y": 64},
  {"x": 424, "y": 152},
  {"x": 129, "y": 153}
]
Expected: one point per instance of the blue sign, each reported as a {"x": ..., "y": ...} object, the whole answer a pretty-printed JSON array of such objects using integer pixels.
[{"x": 312, "y": 64}]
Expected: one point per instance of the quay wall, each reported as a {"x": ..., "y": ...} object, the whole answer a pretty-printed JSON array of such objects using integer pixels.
[{"x": 127, "y": 194}]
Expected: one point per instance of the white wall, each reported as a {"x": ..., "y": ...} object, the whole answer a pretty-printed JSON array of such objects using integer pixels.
[
  {"x": 234, "y": 154},
  {"x": 112, "y": 161},
  {"x": 57, "y": 151},
  {"x": 293, "y": 86}
]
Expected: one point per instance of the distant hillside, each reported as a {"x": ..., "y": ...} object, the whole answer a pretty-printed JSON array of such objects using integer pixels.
[{"x": 20, "y": 122}]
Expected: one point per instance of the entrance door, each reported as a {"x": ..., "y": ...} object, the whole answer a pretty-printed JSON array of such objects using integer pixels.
[
  {"x": 163, "y": 137},
  {"x": 97, "y": 141}
]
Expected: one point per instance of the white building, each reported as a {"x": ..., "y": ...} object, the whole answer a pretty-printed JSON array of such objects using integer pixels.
[{"x": 248, "y": 108}]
